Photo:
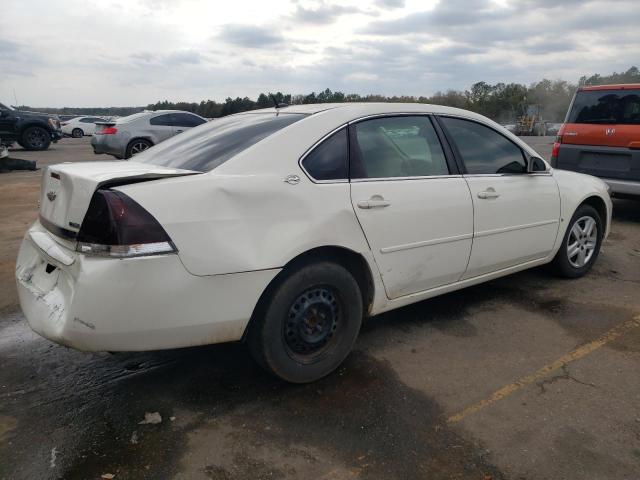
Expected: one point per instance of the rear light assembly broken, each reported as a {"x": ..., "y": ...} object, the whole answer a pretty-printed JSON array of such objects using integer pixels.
[{"x": 117, "y": 226}]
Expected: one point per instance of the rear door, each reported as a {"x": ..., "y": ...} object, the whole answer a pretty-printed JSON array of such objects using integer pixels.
[
  {"x": 162, "y": 127},
  {"x": 516, "y": 214},
  {"x": 416, "y": 212},
  {"x": 602, "y": 134},
  {"x": 185, "y": 121}
]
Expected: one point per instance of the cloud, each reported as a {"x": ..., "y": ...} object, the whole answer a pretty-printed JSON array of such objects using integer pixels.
[
  {"x": 390, "y": 4},
  {"x": 322, "y": 14},
  {"x": 250, "y": 36},
  {"x": 216, "y": 50}
]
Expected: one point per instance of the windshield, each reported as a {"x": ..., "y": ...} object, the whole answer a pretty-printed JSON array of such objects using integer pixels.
[
  {"x": 206, "y": 147},
  {"x": 131, "y": 118}
]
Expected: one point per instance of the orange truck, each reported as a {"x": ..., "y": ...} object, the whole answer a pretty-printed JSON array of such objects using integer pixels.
[{"x": 601, "y": 136}]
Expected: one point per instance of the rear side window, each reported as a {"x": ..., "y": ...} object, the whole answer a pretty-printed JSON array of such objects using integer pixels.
[
  {"x": 606, "y": 106},
  {"x": 330, "y": 159},
  {"x": 165, "y": 120},
  {"x": 391, "y": 147},
  {"x": 203, "y": 149},
  {"x": 186, "y": 120},
  {"x": 483, "y": 150}
]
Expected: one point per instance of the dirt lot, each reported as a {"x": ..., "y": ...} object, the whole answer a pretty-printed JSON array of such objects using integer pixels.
[{"x": 527, "y": 377}]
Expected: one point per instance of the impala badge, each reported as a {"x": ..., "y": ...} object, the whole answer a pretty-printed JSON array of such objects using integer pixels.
[
  {"x": 51, "y": 196},
  {"x": 610, "y": 131},
  {"x": 292, "y": 179}
]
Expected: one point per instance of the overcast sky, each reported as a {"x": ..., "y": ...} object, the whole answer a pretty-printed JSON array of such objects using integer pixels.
[{"x": 135, "y": 52}]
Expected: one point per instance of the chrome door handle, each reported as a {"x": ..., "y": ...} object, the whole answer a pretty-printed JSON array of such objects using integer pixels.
[
  {"x": 487, "y": 194},
  {"x": 374, "y": 202}
]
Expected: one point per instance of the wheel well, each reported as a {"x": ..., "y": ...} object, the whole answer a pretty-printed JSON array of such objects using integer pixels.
[
  {"x": 28, "y": 125},
  {"x": 352, "y": 261},
  {"x": 599, "y": 205}
]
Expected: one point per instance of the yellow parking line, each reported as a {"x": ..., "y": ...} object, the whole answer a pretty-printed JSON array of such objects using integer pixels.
[{"x": 579, "y": 352}]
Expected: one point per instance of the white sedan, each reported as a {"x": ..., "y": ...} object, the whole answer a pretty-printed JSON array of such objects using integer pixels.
[
  {"x": 80, "y": 126},
  {"x": 285, "y": 227}
]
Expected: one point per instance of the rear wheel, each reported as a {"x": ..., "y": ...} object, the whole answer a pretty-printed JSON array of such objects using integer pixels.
[
  {"x": 77, "y": 133},
  {"x": 581, "y": 243},
  {"x": 310, "y": 323},
  {"x": 36, "y": 138},
  {"x": 137, "y": 146}
]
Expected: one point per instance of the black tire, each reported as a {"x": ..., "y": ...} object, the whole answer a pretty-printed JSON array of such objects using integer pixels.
[
  {"x": 36, "y": 138},
  {"x": 570, "y": 266},
  {"x": 309, "y": 324},
  {"x": 137, "y": 145},
  {"x": 77, "y": 133}
]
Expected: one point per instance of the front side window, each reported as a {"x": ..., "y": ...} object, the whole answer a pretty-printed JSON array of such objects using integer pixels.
[
  {"x": 330, "y": 159},
  {"x": 403, "y": 146},
  {"x": 606, "y": 107},
  {"x": 483, "y": 150},
  {"x": 203, "y": 149}
]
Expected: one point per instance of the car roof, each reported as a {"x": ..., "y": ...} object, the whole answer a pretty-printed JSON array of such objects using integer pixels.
[
  {"x": 365, "y": 108},
  {"x": 617, "y": 86}
]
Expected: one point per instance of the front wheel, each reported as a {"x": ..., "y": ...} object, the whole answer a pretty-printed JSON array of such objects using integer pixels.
[
  {"x": 309, "y": 323},
  {"x": 581, "y": 244},
  {"x": 36, "y": 138},
  {"x": 77, "y": 133}
]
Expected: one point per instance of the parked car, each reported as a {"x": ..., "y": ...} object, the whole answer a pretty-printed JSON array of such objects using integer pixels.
[
  {"x": 128, "y": 136},
  {"x": 285, "y": 227},
  {"x": 80, "y": 126},
  {"x": 64, "y": 118},
  {"x": 552, "y": 128},
  {"x": 601, "y": 136},
  {"x": 32, "y": 130}
]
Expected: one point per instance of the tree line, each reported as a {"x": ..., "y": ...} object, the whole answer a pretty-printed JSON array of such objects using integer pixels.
[{"x": 502, "y": 102}]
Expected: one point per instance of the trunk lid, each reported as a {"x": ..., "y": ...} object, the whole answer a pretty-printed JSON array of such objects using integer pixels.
[{"x": 67, "y": 189}]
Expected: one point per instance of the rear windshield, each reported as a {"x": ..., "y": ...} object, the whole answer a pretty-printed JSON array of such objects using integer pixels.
[
  {"x": 606, "y": 106},
  {"x": 205, "y": 147},
  {"x": 132, "y": 117}
]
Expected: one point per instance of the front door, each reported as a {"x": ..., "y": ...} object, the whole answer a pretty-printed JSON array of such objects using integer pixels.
[
  {"x": 516, "y": 214},
  {"x": 416, "y": 215}
]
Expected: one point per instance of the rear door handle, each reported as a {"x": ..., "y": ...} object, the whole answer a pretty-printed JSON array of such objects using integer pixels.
[
  {"x": 488, "y": 194},
  {"x": 374, "y": 202},
  {"x": 179, "y": 131}
]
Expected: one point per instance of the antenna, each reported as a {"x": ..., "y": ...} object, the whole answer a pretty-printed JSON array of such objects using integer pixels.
[
  {"x": 275, "y": 102},
  {"x": 15, "y": 99}
]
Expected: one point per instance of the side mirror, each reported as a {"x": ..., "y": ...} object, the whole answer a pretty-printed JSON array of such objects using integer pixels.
[{"x": 535, "y": 165}]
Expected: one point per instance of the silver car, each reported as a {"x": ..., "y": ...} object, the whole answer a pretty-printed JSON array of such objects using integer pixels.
[{"x": 128, "y": 136}]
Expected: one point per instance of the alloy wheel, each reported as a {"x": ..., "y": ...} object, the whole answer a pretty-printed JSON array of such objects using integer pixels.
[{"x": 582, "y": 241}]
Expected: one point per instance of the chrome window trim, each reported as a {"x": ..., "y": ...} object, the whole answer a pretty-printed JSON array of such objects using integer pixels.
[{"x": 392, "y": 179}]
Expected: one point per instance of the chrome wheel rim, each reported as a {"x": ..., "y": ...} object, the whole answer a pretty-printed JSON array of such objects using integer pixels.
[
  {"x": 582, "y": 241},
  {"x": 138, "y": 147}
]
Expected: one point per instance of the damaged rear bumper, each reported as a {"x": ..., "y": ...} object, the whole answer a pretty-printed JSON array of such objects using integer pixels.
[{"x": 144, "y": 303}]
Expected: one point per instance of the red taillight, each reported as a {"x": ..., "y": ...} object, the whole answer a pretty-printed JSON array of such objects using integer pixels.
[
  {"x": 555, "y": 150},
  {"x": 107, "y": 131},
  {"x": 117, "y": 226}
]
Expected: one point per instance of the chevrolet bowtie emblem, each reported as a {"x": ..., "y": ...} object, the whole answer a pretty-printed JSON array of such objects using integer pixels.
[{"x": 51, "y": 196}]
